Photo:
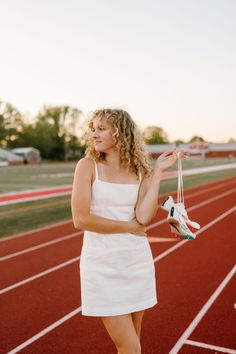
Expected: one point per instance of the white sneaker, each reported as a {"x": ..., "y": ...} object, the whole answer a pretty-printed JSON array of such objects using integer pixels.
[
  {"x": 178, "y": 224},
  {"x": 191, "y": 224},
  {"x": 169, "y": 202},
  {"x": 178, "y": 219}
]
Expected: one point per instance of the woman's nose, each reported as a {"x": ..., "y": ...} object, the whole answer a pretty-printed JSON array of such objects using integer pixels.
[{"x": 95, "y": 134}]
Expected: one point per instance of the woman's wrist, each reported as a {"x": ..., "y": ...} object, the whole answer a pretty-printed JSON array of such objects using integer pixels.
[
  {"x": 157, "y": 171},
  {"x": 130, "y": 226}
]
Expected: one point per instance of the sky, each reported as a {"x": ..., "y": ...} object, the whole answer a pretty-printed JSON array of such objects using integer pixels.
[{"x": 169, "y": 63}]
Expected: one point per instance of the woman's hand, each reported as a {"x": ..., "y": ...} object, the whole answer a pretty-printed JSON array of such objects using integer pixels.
[
  {"x": 137, "y": 228},
  {"x": 168, "y": 158}
]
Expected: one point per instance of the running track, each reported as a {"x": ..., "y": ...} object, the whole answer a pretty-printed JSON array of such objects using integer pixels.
[{"x": 40, "y": 286}]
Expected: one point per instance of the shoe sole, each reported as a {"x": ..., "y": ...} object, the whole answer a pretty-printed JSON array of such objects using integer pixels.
[{"x": 175, "y": 230}]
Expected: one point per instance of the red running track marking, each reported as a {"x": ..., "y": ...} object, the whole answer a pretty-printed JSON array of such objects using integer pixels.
[{"x": 36, "y": 194}]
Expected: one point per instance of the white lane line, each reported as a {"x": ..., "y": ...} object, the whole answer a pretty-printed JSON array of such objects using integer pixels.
[
  {"x": 204, "y": 228},
  {"x": 29, "y": 199},
  {"x": 210, "y": 189},
  {"x": 38, "y": 275},
  {"x": 26, "y": 233},
  {"x": 210, "y": 347},
  {"x": 35, "y": 190},
  {"x": 202, "y": 312},
  {"x": 158, "y": 258},
  {"x": 45, "y": 244},
  {"x": 65, "y": 318},
  {"x": 45, "y": 331},
  {"x": 81, "y": 232},
  {"x": 39, "y": 229}
]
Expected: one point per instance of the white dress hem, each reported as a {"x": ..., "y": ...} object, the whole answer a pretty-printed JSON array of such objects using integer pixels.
[{"x": 119, "y": 311}]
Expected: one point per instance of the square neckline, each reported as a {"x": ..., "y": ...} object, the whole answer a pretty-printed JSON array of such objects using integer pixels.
[{"x": 120, "y": 184}]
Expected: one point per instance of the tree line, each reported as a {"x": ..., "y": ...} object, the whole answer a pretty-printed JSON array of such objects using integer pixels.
[{"x": 58, "y": 132}]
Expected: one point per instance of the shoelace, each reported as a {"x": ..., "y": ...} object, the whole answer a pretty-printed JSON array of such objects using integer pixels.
[{"x": 180, "y": 194}]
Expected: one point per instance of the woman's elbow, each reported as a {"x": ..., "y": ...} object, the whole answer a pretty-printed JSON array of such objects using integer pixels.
[
  {"x": 144, "y": 218},
  {"x": 79, "y": 223}
]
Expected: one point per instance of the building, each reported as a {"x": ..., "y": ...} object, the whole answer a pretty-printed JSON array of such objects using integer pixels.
[
  {"x": 8, "y": 158},
  {"x": 197, "y": 149},
  {"x": 29, "y": 154}
]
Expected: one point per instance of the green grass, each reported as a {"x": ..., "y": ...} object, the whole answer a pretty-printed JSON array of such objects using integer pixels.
[
  {"x": 20, "y": 178},
  {"x": 25, "y": 220},
  {"x": 198, "y": 162},
  {"x": 31, "y": 219},
  {"x": 196, "y": 180}
]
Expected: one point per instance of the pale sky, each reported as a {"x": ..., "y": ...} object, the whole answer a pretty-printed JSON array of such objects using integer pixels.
[{"x": 170, "y": 63}]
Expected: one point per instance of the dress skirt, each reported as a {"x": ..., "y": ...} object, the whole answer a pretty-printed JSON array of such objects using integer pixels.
[{"x": 117, "y": 281}]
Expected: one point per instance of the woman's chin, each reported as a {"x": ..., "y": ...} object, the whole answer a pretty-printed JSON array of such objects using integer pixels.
[{"x": 98, "y": 149}]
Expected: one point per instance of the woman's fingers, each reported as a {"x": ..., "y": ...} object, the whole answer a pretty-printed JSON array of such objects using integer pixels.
[
  {"x": 183, "y": 153},
  {"x": 168, "y": 153}
]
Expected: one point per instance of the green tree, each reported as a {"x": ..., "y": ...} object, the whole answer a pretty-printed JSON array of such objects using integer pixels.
[
  {"x": 155, "y": 135},
  {"x": 197, "y": 139},
  {"x": 12, "y": 124},
  {"x": 56, "y": 128},
  {"x": 179, "y": 141}
]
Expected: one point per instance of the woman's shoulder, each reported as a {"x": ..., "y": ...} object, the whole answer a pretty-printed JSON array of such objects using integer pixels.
[
  {"x": 86, "y": 161},
  {"x": 86, "y": 164}
]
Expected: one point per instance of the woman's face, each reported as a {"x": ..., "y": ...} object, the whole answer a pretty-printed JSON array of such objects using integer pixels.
[{"x": 101, "y": 133}]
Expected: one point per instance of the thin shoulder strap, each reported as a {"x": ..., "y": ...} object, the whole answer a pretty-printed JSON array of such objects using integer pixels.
[
  {"x": 140, "y": 176},
  {"x": 180, "y": 194},
  {"x": 96, "y": 169}
]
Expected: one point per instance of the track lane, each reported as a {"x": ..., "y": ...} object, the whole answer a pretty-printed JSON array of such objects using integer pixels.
[
  {"x": 23, "y": 295},
  {"x": 221, "y": 315},
  {"x": 42, "y": 259},
  {"x": 35, "y": 237},
  {"x": 184, "y": 282}
]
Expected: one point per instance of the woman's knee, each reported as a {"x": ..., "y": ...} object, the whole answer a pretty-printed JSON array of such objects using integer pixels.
[{"x": 130, "y": 348}]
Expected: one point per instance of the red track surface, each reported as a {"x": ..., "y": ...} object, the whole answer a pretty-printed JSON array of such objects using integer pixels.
[
  {"x": 187, "y": 277},
  {"x": 34, "y": 194}
]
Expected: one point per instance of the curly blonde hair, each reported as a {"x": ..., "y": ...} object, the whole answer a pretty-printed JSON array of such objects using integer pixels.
[{"x": 128, "y": 140}]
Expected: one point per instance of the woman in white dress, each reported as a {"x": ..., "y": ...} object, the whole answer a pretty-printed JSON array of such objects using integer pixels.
[{"x": 114, "y": 197}]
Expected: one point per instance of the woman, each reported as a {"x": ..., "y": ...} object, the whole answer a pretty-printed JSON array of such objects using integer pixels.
[{"x": 114, "y": 197}]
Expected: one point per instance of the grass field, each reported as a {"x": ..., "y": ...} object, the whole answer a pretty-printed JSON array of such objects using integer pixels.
[
  {"x": 26, "y": 216},
  {"x": 20, "y": 178}
]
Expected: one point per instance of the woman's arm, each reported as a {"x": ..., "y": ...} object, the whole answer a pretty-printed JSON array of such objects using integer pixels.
[
  {"x": 81, "y": 201},
  {"x": 147, "y": 203}
]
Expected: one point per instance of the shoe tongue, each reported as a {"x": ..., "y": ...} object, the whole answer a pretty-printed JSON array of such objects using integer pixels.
[{"x": 181, "y": 208}]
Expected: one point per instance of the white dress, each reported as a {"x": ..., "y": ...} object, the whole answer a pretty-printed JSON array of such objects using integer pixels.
[{"x": 116, "y": 270}]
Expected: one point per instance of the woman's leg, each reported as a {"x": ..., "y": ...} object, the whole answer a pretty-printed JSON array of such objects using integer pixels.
[
  {"x": 123, "y": 334},
  {"x": 137, "y": 321}
]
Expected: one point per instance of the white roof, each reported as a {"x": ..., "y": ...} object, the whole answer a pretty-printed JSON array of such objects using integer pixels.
[
  {"x": 9, "y": 156},
  {"x": 160, "y": 147},
  {"x": 23, "y": 150},
  {"x": 193, "y": 147}
]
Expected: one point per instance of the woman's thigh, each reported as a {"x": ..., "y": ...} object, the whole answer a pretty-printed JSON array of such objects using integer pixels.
[
  {"x": 137, "y": 321},
  {"x": 123, "y": 333}
]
